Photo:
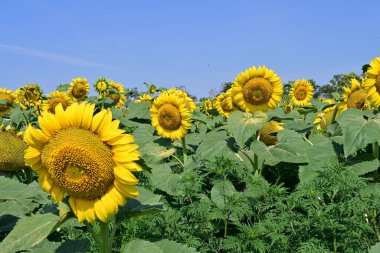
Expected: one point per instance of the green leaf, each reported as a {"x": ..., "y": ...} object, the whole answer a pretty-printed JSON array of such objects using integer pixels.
[
  {"x": 318, "y": 104},
  {"x": 215, "y": 144},
  {"x": 174, "y": 247},
  {"x": 63, "y": 87},
  {"x": 357, "y": 131},
  {"x": 375, "y": 248},
  {"x": 320, "y": 155},
  {"x": 263, "y": 153},
  {"x": 244, "y": 125},
  {"x": 145, "y": 203},
  {"x": 17, "y": 208},
  {"x": 138, "y": 110},
  {"x": 365, "y": 167},
  {"x": 291, "y": 147},
  {"x": 220, "y": 192},
  {"x": 140, "y": 246},
  {"x": 164, "y": 179},
  {"x": 28, "y": 232}
]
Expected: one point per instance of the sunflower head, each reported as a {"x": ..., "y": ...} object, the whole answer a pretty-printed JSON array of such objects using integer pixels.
[
  {"x": 7, "y": 97},
  {"x": 11, "y": 152},
  {"x": 29, "y": 96},
  {"x": 324, "y": 118},
  {"x": 79, "y": 88},
  {"x": 170, "y": 116},
  {"x": 117, "y": 93},
  {"x": 268, "y": 133},
  {"x": 224, "y": 104},
  {"x": 355, "y": 97},
  {"x": 287, "y": 106},
  {"x": 152, "y": 89},
  {"x": 257, "y": 89},
  {"x": 145, "y": 97},
  {"x": 101, "y": 85},
  {"x": 85, "y": 156},
  {"x": 190, "y": 104},
  {"x": 301, "y": 93},
  {"x": 372, "y": 81},
  {"x": 55, "y": 98}
]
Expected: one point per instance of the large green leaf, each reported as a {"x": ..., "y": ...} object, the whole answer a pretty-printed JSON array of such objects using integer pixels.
[
  {"x": 320, "y": 155},
  {"x": 164, "y": 179},
  {"x": 215, "y": 143},
  {"x": 263, "y": 153},
  {"x": 138, "y": 110},
  {"x": 145, "y": 203},
  {"x": 174, "y": 247},
  {"x": 220, "y": 193},
  {"x": 163, "y": 246},
  {"x": 17, "y": 208},
  {"x": 244, "y": 125},
  {"x": 72, "y": 246},
  {"x": 14, "y": 190},
  {"x": 291, "y": 147},
  {"x": 358, "y": 131},
  {"x": 28, "y": 232},
  {"x": 365, "y": 167},
  {"x": 140, "y": 246},
  {"x": 375, "y": 248}
]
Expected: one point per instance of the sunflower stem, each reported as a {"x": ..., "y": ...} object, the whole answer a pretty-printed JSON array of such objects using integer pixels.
[
  {"x": 105, "y": 243},
  {"x": 179, "y": 161},
  {"x": 184, "y": 150},
  {"x": 375, "y": 151},
  {"x": 29, "y": 176}
]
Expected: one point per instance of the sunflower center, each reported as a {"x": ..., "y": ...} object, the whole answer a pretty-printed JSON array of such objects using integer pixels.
[
  {"x": 7, "y": 98},
  {"x": 377, "y": 84},
  {"x": 357, "y": 99},
  {"x": 169, "y": 117},
  {"x": 54, "y": 102},
  {"x": 225, "y": 105},
  {"x": 79, "y": 162},
  {"x": 257, "y": 91},
  {"x": 101, "y": 86},
  {"x": 79, "y": 90},
  {"x": 115, "y": 97},
  {"x": 300, "y": 93}
]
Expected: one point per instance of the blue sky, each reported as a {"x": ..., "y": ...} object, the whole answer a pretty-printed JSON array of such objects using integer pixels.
[{"x": 199, "y": 44}]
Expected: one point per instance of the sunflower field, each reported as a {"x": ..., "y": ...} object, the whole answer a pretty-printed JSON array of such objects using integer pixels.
[{"x": 262, "y": 167}]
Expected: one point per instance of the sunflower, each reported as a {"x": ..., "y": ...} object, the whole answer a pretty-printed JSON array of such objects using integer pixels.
[
  {"x": 117, "y": 97},
  {"x": 152, "y": 89},
  {"x": 85, "y": 156},
  {"x": 29, "y": 96},
  {"x": 6, "y": 96},
  {"x": 324, "y": 119},
  {"x": 372, "y": 81},
  {"x": 301, "y": 93},
  {"x": 224, "y": 104},
  {"x": 101, "y": 85},
  {"x": 11, "y": 152},
  {"x": 356, "y": 97},
  {"x": 79, "y": 88},
  {"x": 170, "y": 116},
  {"x": 257, "y": 89},
  {"x": 146, "y": 97},
  {"x": 55, "y": 98},
  {"x": 268, "y": 133},
  {"x": 190, "y": 104},
  {"x": 287, "y": 106}
]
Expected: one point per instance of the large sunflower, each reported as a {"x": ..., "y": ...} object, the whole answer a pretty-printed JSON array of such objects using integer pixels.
[
  {"x": 372, "y": 81},
  {"x": 355, "y": 97},
  {"x": 257, "y": 89},
  {"x": 29, "y": 96},
  {"x": 170, "y": 116},
  {"x": 11, "y": 152},
  {"x": 55, "y": 98},
  {"x": 324, "y": 119},
  {"x": 268, "y": 134},
  {"x": 118, "y": 97},
  {"x": 6, "y": 96},
  {"x": 224, "y": 104},
  {"x": 79, "y": 88},
  {"x": 190, "y": 104},
  {"x": 85, "y": 156},
  {"x": 301, "y": 93}
]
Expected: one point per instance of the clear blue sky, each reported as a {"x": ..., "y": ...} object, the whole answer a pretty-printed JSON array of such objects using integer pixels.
[{"x": 199, "y": 44}]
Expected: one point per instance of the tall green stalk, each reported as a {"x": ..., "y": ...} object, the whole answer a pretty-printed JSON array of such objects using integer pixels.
[
  {"x": 184, "y": 150},
  {"x": 105, "y": 244},
  {"x": 375, "y": 152}
]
